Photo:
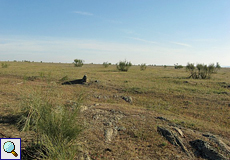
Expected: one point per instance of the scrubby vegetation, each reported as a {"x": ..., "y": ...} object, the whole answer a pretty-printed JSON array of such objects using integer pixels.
[
  {"x": 124, "y": 66},
  {"x": 177, "y": 66},
  {"x": 106, "y": 64},
  {"x": 143, "y": 67},
  {"x": 201, "y": 71},
  {"x": 78, "y": 63}
]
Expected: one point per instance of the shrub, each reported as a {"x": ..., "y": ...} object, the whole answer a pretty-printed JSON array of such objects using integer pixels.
[
  {"x": 201, "y": 71},
  {"x": 78, "y": 63},
  {"x": 106, "y": 64},
  {"x": 143, "y": 67},
  {"x": 176, "y": 66},
  {"x": 217, "y": 67},
  {"x": 123, "y": 66},
  {"x": 5, "y": 65}
]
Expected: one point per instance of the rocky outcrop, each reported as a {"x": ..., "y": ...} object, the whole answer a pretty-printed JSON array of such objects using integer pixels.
[
  {"x": 222, "y": 147},
  {"x": 207, "y": 146},
  {"x": 174, "y": 137},
  {"x": 204, "y": 150}
]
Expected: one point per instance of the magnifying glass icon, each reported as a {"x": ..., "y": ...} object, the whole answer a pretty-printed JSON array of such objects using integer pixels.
[{"x": 9, "y": 147}]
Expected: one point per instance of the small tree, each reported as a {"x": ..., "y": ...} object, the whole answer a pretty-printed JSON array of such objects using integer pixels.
[
  {"x": 143, "y": 67},
  {"x": 106, "y": 64},
  {"x": 123, "y": 65},
  {"x": 78, "y": 63}
]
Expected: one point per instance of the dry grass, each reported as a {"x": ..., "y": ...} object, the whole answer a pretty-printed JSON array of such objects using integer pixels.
[{"x": 203, "y": 105}]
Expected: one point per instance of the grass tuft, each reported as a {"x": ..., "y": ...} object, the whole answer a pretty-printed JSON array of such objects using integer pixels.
[{"x": 56, "y": 126}]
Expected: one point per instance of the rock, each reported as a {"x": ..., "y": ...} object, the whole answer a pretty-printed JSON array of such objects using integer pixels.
[
  {"x": 119, "y": 116},
  {"x": 179, "y": 131},
  {"x": 96, "y": 116},
  {"x": 115, "y": 96},
  {"x": 120, "y": 128},
  {"x": 96, "y": 104},
  {"x": 162, "y": 118},
  {"x": 108, "y": 124},
  {"x": 128, "y": 99},
  {"x": 222, "y": 146},
  {"x": 108, "y": 150},
  {"x": 173, "y": 138},
  {"x": 206, "y": 151},
  {"x": 112, "y": 111},
  {"x": 83, "y": 108},
  {"x": 83, "y": 154},
  {"x": 167, "y": 133},
  {"x": 109, "y": 134}
]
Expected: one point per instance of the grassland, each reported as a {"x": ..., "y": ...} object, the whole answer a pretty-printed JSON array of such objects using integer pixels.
[{"x": 201, "y": 105}]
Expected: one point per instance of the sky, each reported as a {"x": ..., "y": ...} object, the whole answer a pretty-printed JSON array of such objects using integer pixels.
[{"x": 161, "y": 32}]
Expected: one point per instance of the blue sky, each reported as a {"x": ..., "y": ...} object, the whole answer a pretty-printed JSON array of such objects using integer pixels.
[{"x": 162, "y": 32}]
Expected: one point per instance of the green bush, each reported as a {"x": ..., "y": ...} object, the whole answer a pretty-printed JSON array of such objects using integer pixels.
[
  {"x": 123, "y": 66},
  {"x": 106, "y": 64},
  {"x": 143, "y": 67},
  {"x": 201, "y": 71},
  {"x": 78, "y": 63}
]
